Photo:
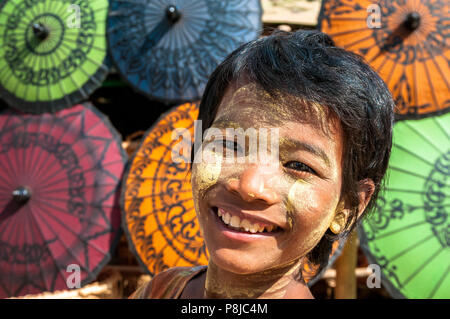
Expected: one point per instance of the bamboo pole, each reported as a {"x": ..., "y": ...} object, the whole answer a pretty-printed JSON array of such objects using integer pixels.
[{"x": 345, "y": 269}]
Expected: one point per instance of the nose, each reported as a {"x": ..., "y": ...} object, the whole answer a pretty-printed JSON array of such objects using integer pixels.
[{"x": 256, "y": 182}]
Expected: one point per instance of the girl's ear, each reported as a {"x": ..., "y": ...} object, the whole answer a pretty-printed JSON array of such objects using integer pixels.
[{"x": 366, "y": 188}]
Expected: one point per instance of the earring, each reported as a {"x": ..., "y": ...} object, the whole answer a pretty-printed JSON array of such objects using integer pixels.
[{"x": 335, "y": 228}]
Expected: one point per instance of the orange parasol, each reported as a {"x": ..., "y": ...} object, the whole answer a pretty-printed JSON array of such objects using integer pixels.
[
  {"x": 159, "y": 217},
  {"x": 405, "y": 41}
]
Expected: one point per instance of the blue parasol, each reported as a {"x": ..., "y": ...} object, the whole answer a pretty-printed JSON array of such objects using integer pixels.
[{"x": 166, "y": 49}]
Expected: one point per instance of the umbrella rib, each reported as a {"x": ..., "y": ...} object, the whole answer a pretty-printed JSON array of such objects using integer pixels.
[
  {"x": 32, "y": 58},
  {"x": 347, "y": 32},
  {"x": 59, "y": 122},
  {"x": 62, "y": 242},
  {"x": 413, "y": 154},
  {"x": 195, "y": 79},
  {"x": 8, "y": 75},
  {"x": 348, "y": 45},
  {"x": 40, "y": 171},
  {"x": 415, "y": 174},
  {"x": 12, "y": 169},
  {"x": 157, "y": 210},
  {"x": 75, "y": 42},
  {"x": 84, "y": 187},
  {"x": 439, "y": 283},
  {"x": 17, "y": 239},
  {"x": 63, "y": 13},
  {"x": 32, "y": 153},
  {"x": 414, "y": 69},
  {"x": 49, "y": 97},
  {"x": 6, "y": 182},
  {"x": 430, "y": 142},
  {"x": 405, "y": 191},
  {"x": 441, "y": 128},
  {"x": 65, "y": 95},
  {"x": 91, "y": 78},
  {"x": 401, "y": 229},
  {"x": 34, "y": 13},
  {"x": 162, "y": 179},
  {"x": 43, "y": 239},
  {"x": 38, "y": 89},
  {"x": 433, "y": 94},
  {"x": 420, "y": 268},
  {"x": 84, "y": 171},
  {"x": 78, "y": 236},
  {"x": 247, "y": 27},
  {"x": 89, "y": 221},
  {"x": 159, "y": 194},
  {"x": 156, "y": 144},
  {"x": 437, "y": 67},
  {"x": 410, "y": 247}
]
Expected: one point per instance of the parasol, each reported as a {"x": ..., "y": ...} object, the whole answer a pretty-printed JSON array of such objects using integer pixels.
[
  {"x": 167, "y": 49},
  {"x": 59, "y": 181},
  {"x": 52, "y": 52},
  {"x": 405, "y": 41},
  {"x": 159, "y": 216},
  {"x": 409, "y": 234}
]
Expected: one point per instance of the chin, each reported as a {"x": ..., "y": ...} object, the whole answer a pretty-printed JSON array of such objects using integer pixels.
[{"x": 238, "y": 262}]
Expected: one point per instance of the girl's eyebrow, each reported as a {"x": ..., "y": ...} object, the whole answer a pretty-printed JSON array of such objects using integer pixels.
[
  {"x": 296, "y": 144},
  {"x": 224, "y": 123}
]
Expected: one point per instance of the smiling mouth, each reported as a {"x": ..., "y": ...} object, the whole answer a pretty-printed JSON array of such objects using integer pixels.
[{"x": 238, "y": 224}]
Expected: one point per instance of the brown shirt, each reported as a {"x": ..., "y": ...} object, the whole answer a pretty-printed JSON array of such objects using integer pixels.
[{"x": 168, "y": 284}]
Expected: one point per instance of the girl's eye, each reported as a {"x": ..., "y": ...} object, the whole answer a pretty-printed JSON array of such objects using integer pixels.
[
  {"x": 231, "y": 144},
  {"x": 298, "y": 166}
]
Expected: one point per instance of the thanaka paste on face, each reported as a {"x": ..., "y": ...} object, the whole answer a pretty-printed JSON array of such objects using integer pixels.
[{"x": 288, "y": 186}]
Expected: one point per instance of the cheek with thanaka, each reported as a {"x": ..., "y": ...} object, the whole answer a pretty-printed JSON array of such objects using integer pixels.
[
  {"x": 311, "y": 211},
  {"x": 205, "y": 174}
]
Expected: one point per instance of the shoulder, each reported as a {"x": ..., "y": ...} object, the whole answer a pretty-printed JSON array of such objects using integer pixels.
[{"x": 167, "y": 284}]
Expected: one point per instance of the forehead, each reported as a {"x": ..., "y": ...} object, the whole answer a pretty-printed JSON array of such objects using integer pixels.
[{"x": 249, "y": 105}]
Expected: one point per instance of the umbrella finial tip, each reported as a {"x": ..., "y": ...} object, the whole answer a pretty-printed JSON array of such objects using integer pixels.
[
  {"x": 21, "y": 194},
  {"x": 412, "y": 20},
  {"x": 172, "y": 13}
]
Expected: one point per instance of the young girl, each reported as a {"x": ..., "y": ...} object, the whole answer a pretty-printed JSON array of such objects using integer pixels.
[{"x": 262, "y": 219}]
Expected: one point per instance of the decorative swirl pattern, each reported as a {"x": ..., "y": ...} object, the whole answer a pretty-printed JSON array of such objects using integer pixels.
[
  {"x": 72, "y": 163},
  {"x": 409, "y": 49},
  {"x": 159, "y": 218},
  {"x": 408, "y": 234},
  {"x": 172, "y": 62},
  {"x": 48, "y": 64}
]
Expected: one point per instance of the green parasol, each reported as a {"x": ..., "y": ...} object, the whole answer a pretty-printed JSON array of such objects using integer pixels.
[
  {"x": 52, "y": 52},
  {"x": 409, "y": 234}
]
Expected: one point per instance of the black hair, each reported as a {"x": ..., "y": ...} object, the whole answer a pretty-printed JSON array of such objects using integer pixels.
[{"x": 308, "y": 64}]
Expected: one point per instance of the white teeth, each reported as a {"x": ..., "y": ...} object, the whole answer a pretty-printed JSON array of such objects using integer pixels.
[
  {"x": 245, "y": 224},
  {"x": 235, "y": 221},
  {"x": 226, "y": 218}
]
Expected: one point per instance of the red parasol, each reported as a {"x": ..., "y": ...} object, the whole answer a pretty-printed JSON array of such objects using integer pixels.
[{"x": 59, "y": 181}]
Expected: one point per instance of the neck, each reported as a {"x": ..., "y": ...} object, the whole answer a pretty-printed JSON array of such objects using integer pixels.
[{"x": 274, "y": 283}]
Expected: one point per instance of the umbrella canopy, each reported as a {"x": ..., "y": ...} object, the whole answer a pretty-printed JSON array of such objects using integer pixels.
[
  {"x": 59, "y": 181},
  {"x": 159, "y": 216},
  {"x": 52, "y": 52},
  {"x": 405, "y": 41},
  {"x": 409, "y": 234},
  {"x": 167, "y": 49}
]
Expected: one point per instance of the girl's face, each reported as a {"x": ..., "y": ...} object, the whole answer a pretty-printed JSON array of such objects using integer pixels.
[{"x": 256, "y": 215}]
